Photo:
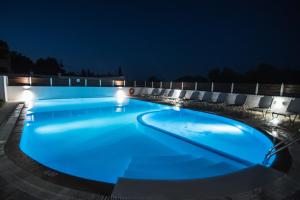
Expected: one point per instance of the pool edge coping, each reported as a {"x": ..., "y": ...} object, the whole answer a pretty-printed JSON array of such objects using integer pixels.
[
  {"x": 69, "y": 175},
  {"x": 220, "y": 153},
  {"x": 44, "y": 173}
]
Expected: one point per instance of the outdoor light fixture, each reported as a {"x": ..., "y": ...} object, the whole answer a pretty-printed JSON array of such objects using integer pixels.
[
  {"x": 28, "y": 98},
  {"x": 26, "y": 87},
  {"x": 279, "y": 104},
  {"x": 120, "y": 96}
]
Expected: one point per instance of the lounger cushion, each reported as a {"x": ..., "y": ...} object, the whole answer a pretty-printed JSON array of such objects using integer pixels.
[
  {"x": 265, "y": 102},
  {"x": 195, "y": 96},
  {"x": 220, "y": 99},
  {"x": 240, "y": 100},
  {"x": 182, "y": 94},
  {"x": 294, "y": 106},
  {"x": 206, "y": 97}
]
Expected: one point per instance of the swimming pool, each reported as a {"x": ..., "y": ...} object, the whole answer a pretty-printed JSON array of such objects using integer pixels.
[{"x": 103, "y": 139}]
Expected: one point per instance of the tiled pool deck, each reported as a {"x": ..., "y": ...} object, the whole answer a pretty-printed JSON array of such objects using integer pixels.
[{"x": 22, "y": 178}]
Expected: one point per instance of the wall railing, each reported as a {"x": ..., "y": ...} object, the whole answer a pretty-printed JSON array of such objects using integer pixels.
[{"x": 282, "y": 89}]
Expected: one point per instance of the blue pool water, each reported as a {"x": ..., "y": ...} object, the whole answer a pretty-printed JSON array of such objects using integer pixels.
[{"x": 102, "y": 139}]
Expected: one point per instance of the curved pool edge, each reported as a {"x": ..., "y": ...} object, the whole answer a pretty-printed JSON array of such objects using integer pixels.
[
  {"x": 221, "y": 153},
  {"x": 11, "y": 149},
  {"x": 22, "y": 161},
  {"x": 278, "y": 157}
]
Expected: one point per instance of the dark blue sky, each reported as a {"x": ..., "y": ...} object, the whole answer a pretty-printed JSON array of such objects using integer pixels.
[{"x": 163, "y": 38}]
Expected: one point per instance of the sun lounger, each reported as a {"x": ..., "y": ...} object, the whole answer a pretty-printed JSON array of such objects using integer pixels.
[
  {"x": 147, "y": 92},
  {"x": 219, "y": 101},
  {"x": 153, "y": 93},
  {"x": 202, "y": 100},
  {"x": 177, "y": 98},
  {"x": 207, "y": 97},
  {"x": 169, "y": 95},
  {"x": 292, "y": 111},
  {"x": 264, "y": 105},
  {"x": 160, "y": 94},
  {"x": 138, "y": 92},
  {"x": 239, "y": 102},
  {"x": 193, "y": 98}
]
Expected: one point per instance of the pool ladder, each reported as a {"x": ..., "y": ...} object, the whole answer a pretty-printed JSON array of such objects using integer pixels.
[{"x": 286, "y": 143}]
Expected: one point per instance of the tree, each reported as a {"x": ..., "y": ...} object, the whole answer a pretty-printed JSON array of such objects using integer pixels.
[
  {"x": 120, "y": 71},
  {"x": 21, "y": 64},
  {"x": 89, "y": 73},
  {"x": 83, "y": 72},
  {"x": 48, "y": 66},
  {"x": 5, "y": 64},
  {"x": 153, "y": 78},
  {"x": 214, "y": 74},
  {"x": 198, "y": 78},
  {"x": 229, "y": 75},
  {"x": 4, "y": 49}
]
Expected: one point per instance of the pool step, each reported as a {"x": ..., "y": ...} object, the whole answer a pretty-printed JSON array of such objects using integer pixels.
[
  {"x": 173, "y": 164},
  {"x": 137, "y": 160},
  {"x": 185, "y": 171},
  {"x": 219, "y": 187}
]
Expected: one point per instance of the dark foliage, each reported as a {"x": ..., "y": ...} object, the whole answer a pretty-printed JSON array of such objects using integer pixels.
[
  {"x": 4, "y": 50},
  {"x": 120, "y": 71},
  {"x": 48, "y": 66},
  {"x": 191, "y": 79},
  {"x": 266, "y": 73},
  {"x": 153, "y": 78},
  {"x": 224, "y": 75},
  {"x": 21, "y": 64},
  {"x": 4, "y": 57},
  {"x": 263, "y": 73}
]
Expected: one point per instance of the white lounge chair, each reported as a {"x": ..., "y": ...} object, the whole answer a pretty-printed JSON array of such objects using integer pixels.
[
  {"x": 264, "y": 105},
  {"x": 292, "y": 111}
]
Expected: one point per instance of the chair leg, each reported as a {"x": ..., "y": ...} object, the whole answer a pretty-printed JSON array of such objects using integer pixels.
[
  {"x": 273, "y": 116},
  {"x": 294, "y": 119},
  {"x": 264, "y": 114}
]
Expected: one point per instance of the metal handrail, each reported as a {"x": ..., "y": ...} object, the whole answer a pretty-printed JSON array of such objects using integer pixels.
[
  {"x": 271, "y": 152},
  {"x": 282, "y": 142}
]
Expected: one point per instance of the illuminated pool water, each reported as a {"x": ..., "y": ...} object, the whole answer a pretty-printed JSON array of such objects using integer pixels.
[{"x": 102, "y": 139}]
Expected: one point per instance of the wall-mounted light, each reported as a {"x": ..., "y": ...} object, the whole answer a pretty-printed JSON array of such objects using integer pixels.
[
  {"x": 26, "y": 87},
  {"x": 280, "y": 103},
  {"x": 28, "y": 97}
]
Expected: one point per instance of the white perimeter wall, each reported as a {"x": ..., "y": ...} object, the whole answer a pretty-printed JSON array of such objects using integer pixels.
[
  {"x": 3, "y": 88},
  {"x": 19, "y": 93}
]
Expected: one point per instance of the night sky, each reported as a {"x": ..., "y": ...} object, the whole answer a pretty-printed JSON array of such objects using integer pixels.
[{"x": 163, "y": 38}]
